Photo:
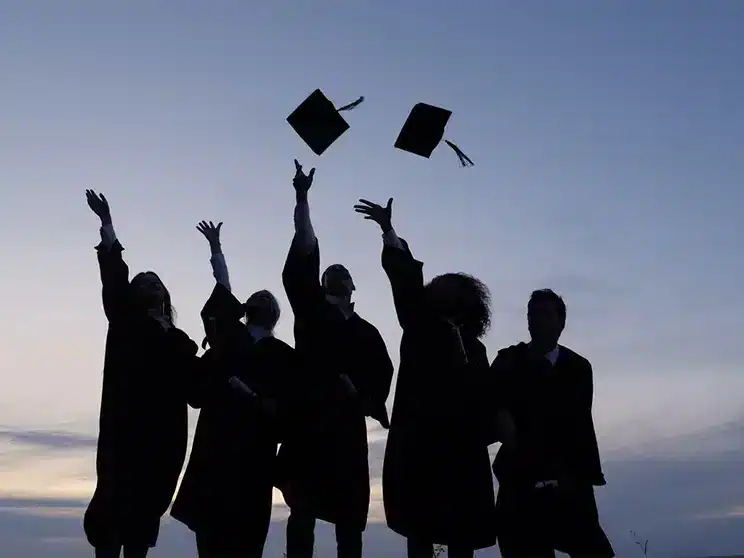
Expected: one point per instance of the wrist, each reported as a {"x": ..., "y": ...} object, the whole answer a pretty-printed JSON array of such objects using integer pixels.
[
  {"x": 215, "y": 247},
  {"x": 300, "y": 197},
  {"x": 106, "y": 220},
  {"x": 386, "y": 227}
]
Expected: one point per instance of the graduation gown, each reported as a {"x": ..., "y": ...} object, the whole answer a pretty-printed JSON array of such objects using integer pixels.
[
  {"x": 227, "y": 487},
  {"x": 436, "y": 480},
  {"x": 552, "y": 411},
  {"x": 143, "y": 433},
  {"x": 324, "y": 470}
]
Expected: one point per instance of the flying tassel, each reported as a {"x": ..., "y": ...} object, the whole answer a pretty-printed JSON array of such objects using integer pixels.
[
  {"x": 353, "y": 105},
  {"x": 465, "y": 161}
]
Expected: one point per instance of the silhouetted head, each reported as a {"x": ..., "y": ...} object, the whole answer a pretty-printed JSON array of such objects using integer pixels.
[
  {"x": 546, "y": 318},
  {"x": 150, "y": 294},
  {"x": 337, "y": 281},
  {"x": 262, "y": 310},
  {"x": 463, "y": 300}
]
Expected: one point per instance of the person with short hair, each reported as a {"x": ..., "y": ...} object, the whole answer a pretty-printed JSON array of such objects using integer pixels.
[{"x": 549, "y": 461}]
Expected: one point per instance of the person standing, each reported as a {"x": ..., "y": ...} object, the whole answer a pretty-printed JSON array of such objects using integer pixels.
[
  {"x": 143, "y": 425},
  {"x": 226, "y": 493},
  {"x": 549, "y": 466},
  {"x": 347, "y": 374},
  {"x": 436, "y": 480}
]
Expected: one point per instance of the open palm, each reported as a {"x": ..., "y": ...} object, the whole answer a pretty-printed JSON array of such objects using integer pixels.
[
  {"x": 381, "y": 215},
  {"x": 210, "y": 231},
  {"x": 98, "y": 204}
]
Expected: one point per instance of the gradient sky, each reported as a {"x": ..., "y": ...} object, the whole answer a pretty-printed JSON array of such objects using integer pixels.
[{"x": 607, "y": 141}]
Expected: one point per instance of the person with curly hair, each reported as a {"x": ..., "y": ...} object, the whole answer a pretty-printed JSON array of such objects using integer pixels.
[{"x": 436, "y": 479}]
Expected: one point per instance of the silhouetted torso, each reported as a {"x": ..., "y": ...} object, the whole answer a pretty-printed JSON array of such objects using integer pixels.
[
  {"x": 324, "y": 468},
  {"x": 143, "y": 420},
  {"x": 552, "y": 410}
]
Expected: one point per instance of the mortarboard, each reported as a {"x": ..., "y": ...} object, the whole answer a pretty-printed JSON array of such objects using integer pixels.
[
  {"x": 424, "y": 130},
  {"x": 318, "y": 122}
]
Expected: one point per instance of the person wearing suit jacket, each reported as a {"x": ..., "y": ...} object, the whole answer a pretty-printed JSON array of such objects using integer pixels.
[{"x": 549, "y": 461}]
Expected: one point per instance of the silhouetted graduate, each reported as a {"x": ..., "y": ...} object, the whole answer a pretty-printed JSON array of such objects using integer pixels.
[
  {"x": 143, "y": 423},
  {"x": 549, "y": 463},
  {"x": 347, "y": 372},
  {"x": 226, "y": 493},
  {"x": 436, "y": 479}
]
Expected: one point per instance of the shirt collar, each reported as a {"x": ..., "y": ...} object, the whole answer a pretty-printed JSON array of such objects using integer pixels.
[
  {"x": 347, "y": 309},
  {"x": 552, "y": 356},
  {"x": 258, "y": 333}
]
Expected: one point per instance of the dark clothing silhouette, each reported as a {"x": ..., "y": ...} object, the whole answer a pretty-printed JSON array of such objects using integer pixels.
[
  {"x": 143, "y": 420},
  {"x": 324, "y": 471},
  {"x": 226, "y": 493},
  {"x": 546, "y": 497},
  {"x": 301, "y": 537},
  {"x": 437, "y": 483}
]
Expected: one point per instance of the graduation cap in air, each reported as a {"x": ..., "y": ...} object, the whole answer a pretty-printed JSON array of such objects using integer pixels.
[
  {"x": 424, "y": 130},
  {"x": 318, "y": 122}
]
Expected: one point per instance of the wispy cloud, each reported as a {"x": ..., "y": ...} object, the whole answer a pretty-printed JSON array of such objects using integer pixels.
[{"x": 49, "y": 439}]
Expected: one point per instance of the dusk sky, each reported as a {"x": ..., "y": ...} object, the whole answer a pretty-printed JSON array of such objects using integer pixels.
[{"x": 607, "y": 140}]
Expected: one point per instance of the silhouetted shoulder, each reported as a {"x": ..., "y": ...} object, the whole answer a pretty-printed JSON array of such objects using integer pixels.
[
  {"x": 279, "y": 346},
  {"x": 508, "y": 356},
  {"x": 576, "y": 360},
  {"x": 366, "y": 326}
]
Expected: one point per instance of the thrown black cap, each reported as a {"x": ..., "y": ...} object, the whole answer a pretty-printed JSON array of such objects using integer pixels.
[
  {"x": 318, "y": 122},
  {"x": 424, "y": 130}
]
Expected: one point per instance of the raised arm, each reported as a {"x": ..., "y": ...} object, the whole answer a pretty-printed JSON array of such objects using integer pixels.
[
  {"x": 114, "y": 271},
  {"x": 403, "y": 270},
  {"x": 219, "y": 266},
  {"x": 301, "y": 273}
]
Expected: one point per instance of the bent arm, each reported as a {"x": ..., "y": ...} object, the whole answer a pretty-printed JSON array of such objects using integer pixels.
[
  {"x": 382, "y": 380},
  {"x": 406, "y": 278},
  {"x": 495, "y": 401},
  {"x": 114, "y": 274},
  {"x": 586, "y": 444}
]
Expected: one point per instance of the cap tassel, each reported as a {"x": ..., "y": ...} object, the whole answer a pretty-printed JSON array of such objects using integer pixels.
[
  {"x": 465, "y": 161},
  {"x": 353, "y": 105}
]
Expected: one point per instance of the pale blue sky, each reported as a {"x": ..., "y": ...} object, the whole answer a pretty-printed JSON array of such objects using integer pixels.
[{"x": 607, "y": 142}]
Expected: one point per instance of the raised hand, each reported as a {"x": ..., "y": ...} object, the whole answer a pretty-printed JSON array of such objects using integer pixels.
[
  {"x": 100, "y": 206},
  {"x": 302, "y": 181},
  {"x": 210, "y": 231},
  {"x": 381, "y": 215}
]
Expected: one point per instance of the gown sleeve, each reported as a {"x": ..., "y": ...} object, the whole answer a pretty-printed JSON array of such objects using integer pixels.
[
  {"x": 114, "y": 275},
  {"x": 382, "y": 371},
  {"x": 406, "y": 277},
  {"x": 301, "y": 279}
]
